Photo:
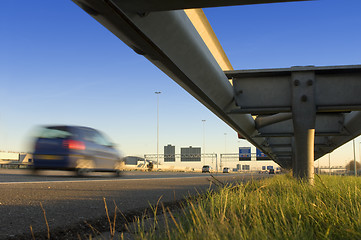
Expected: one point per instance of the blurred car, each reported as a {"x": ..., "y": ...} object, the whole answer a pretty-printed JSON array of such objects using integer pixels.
[
  {"x": 75, "y": 148},
  {"x": 226, "y": 170},
  {"x": 271, "y": 171},
  {"x": 150, "y": 166},
  {"x": 206, "y": 169}
]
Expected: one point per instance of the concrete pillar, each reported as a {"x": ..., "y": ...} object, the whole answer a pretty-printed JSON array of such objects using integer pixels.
[{"x": 304, "y": 120}]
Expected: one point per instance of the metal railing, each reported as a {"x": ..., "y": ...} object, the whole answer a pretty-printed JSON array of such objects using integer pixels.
[
  {"x": 185, "y": 159},
  {"x": 14, "y": 164}
]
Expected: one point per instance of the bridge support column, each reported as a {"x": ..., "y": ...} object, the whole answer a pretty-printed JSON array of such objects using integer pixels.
[{"x": 304, "y": 121}]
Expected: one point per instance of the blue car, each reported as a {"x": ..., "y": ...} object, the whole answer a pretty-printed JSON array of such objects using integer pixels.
[{"x": 75, "y": 148}]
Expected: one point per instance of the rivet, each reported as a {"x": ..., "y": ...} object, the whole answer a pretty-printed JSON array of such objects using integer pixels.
[
  {"x": 296, "y": 82},
  {"x": 304, "y": 98},
  {"x": 240, "y": 91},
  {"x": 309, "y": 82}
]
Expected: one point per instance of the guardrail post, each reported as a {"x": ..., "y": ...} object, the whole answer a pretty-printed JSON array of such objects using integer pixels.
[{"x": 304, "y": 120}]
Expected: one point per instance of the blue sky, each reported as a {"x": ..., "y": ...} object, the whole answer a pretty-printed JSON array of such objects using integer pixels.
[{"x": 60, "y": 66}]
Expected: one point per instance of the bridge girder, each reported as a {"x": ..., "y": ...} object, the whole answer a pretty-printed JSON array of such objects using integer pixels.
[
  {"x": 146, "y": 6},
  {"x": 169, "y": 40},
  {"x": 306, "y": 106}
]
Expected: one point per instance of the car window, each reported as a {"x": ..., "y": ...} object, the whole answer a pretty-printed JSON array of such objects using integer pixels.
[
  {"x": 87, "y": 135},
  {"x": 98, "y": 138},
  {"x": 94, "y": 136},
  {"x": 55, "y": 132}
]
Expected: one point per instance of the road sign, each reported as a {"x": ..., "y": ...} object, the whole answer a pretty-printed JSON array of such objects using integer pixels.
[
  {"x": 244, "y": 154},
  {"x": 260, "y": 156}
]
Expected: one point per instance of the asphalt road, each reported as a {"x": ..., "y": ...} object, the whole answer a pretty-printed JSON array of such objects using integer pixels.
[{"x": 69, "y": 200}]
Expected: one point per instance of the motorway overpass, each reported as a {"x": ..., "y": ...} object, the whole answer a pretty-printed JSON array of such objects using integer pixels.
[{"x": 304, "y": 113}]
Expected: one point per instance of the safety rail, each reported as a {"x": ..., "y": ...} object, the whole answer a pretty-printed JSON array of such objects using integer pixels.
[{"x": 14, "y": 164}]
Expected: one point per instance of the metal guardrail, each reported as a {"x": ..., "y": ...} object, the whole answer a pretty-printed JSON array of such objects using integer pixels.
[
  {"x": 13, "y": 164},
  {"x": 185, "y": 158}
]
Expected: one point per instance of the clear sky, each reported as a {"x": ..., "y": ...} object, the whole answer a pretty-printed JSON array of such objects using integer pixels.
[{"x": 59, "y": 66}]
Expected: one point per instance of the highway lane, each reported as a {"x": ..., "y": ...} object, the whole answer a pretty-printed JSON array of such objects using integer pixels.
[
  {"x": 69, "y": 200},
  {"x": 24, "y": 175}
]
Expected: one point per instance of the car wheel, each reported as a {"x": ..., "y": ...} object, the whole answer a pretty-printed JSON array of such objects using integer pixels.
[
  {"x": 34, "y": 171},
  {"x": 118, "y": 173},
  {"x": 84, "y": 166},
  {"x": 119, "y": 167}
]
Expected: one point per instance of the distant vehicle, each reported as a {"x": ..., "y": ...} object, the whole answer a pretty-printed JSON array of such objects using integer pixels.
[
  {"x": 150, "y": 166},
  {"x": 75, "y": 148},
  {"x": 271, "y": 171},
  {"x": 226, "y": 170},
  {"x": 206, "y": 169}
]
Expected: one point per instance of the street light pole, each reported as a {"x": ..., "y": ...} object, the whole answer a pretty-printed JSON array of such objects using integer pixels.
[
  {"x": 157, "y": 93},
  {"x": 204, "y": 145}
]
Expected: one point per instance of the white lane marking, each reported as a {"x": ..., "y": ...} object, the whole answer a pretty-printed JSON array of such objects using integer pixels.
[{"x": 103, "y": 180}]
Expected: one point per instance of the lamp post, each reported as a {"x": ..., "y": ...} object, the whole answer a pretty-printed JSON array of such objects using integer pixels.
[
  {"x": 204, "y": 145},
  {"x": 157, "y": 93}
]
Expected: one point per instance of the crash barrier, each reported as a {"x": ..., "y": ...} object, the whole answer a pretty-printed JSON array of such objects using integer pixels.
[
  {"x": 188, "y": 161},
  {"x": 13, "y": 164}
]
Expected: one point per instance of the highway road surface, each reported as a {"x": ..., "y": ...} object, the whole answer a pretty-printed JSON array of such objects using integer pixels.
[{"x": 69, "y": 201}]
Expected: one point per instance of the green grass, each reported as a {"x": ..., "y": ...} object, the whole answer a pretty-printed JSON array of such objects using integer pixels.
[{"x": 276, "y": 208}]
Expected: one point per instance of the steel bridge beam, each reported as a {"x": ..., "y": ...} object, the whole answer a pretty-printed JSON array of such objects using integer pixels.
[
  {"x": 170, "y": 41},
  {"x": 318, "y": 99},
  {"x": 145, "y": 6}
]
